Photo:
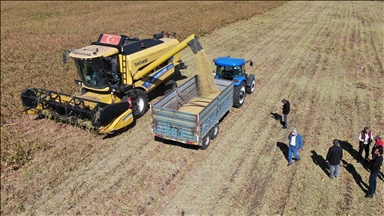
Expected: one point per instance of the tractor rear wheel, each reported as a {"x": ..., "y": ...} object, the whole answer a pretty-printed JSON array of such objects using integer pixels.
[{"x": 239, "y": 95}]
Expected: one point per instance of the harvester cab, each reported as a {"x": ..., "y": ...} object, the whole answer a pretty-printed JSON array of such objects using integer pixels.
[
  {"x": 234, "y": 69},
  {"x": 116, "y": 73}
]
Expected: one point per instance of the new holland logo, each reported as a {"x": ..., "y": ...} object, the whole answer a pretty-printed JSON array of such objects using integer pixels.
[{"x": 147, "y": 84}]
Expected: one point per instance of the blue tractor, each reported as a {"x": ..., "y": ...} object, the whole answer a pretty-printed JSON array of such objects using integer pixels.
[{"x": 233, "y": 69}]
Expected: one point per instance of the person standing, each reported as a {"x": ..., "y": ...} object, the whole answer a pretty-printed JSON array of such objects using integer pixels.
[
  {"x": 377, "y": 161},
  {"x": 334, "y": 156},
  {"x": 286, "y": 108},
  {"x": 365, "y": 139},
  {"x": 378, "y": 144},
  {"x": 295, "y": 145}
]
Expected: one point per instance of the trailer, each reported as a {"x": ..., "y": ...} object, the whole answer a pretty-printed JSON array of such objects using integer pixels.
[{"x": 186, "y": 117}]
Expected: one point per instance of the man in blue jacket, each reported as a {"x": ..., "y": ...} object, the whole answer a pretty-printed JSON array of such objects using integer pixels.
[{"x": 294, "y": 146}]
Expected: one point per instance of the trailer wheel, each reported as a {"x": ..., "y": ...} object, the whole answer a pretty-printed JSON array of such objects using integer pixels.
[
  {"x": 251, "y": 88},
  {"x": 239, "y": 95},
  {"x": 140, "y": 104},
  {"x": 214, "y": 132},
  {"x": 205, "y": 142}
]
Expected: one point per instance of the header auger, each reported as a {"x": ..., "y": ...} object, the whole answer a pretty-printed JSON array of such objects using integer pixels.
[{"x": 116, "y": 74}]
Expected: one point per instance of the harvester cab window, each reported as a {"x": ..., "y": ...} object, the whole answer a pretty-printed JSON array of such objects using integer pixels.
[
  {"x": 90, "y": 72},
  {"x": 110, "y": 66}
]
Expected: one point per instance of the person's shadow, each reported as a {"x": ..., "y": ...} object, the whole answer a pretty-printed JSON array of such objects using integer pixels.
[
  {"x": 349, "y": 148},
  {"x": 359, "y": 181},
  {"x": 284, "y": 149},
  {"x": 381, "y": 176},
  {"x": 354, "y": 153},
  {"x": 277, "y": 117},
  {"x": 320, "y": 161}
]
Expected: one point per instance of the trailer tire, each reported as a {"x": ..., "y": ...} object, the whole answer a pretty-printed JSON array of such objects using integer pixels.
[
  {"x": 251, "y": 88},
  {"x": 204, "y": 144},
  {"x": 140, "y": 104},
  {"x": 215, "y": 131},
  {"x": 239, "y": 95}
]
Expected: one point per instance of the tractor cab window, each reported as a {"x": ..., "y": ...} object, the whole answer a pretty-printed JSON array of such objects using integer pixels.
[
  {"x": 238, "y": 71},
  {"x": 227, "y": 72}
]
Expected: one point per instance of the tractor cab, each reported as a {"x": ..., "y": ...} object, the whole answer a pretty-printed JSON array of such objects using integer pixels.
[
  {"x": 229, "y": 68},
  {"x": 234, "y": 69}
]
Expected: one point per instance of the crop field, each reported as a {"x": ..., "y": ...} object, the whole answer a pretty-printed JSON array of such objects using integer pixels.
[{"x": 325, "y": 57}]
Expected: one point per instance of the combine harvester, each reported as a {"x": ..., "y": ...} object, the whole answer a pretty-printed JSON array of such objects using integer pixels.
[{"x": 116, "y": 74}]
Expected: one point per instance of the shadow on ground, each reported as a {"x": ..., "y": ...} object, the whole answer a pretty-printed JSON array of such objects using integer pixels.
[
  {"x": 277, "y": 117},
  {"x": 284, "y": 149},
  {"x": 354, "y": 153},
  {"x": 320, "y": 161},
  {"x": 174, "y": 143},
  {"x": 359, "y": 181}
]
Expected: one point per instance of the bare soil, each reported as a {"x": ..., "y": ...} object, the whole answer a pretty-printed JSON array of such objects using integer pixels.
[{"x": 311, "y": 53}]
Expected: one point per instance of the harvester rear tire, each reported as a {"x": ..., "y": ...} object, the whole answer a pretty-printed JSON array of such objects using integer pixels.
[
  {"x": 239, "y": 95},
  {"x": 204, "y": 143},
  {"x": 140, "y": 105}
]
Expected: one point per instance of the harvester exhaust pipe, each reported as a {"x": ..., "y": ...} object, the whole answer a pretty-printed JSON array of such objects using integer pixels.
[{"x": 195, "y": 45}]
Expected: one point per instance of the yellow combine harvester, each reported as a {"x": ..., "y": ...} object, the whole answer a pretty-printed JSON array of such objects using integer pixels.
[{"x": 116, "y": 74}]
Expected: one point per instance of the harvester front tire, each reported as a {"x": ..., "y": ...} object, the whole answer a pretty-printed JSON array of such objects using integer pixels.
[
  {"x": 251, "y": 88},
  {"x": 140, "y": 106},
  {"x": 205, "y": 142},
  {"x": 239, "y": 95}
]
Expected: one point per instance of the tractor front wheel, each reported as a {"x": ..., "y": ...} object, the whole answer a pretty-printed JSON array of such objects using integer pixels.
[{"x": 251, "y": 88}]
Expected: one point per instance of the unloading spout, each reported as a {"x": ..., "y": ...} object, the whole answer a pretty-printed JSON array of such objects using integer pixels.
[{"x": 195, "y": 45}]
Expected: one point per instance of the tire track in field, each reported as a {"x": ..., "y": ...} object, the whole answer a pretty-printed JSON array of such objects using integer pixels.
[
  {"x": 117, "y": 166},
  {"x": 99, "y": 168},
  {"x": 235, "y": 126},
  {"x": 326, "y": 102},
  {"x": 259, "y": 191},
  {"x": 303, "y": 93},
  {"x": 258, "y": 196}
]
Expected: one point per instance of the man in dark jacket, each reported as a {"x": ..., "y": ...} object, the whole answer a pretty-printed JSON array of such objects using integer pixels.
[
  {"x": 286, "y": 108},
  {"x": 334, "y": 156},
  {"x": 377, "y": 161}
]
